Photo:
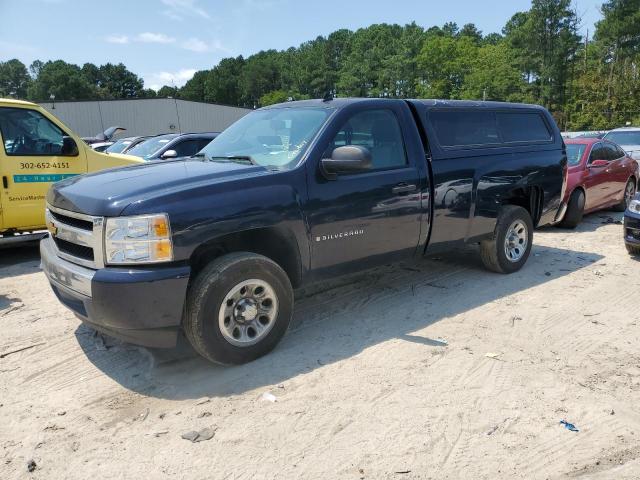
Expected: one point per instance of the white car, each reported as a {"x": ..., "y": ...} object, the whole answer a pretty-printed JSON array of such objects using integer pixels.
[{"x": 628, "y": 138}]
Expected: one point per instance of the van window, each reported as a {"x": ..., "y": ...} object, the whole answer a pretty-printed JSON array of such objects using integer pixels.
[
  {"x": 464, "y": 127},
  {"x": 522, "y": 127},
  {"x": 27, "y": 132}
]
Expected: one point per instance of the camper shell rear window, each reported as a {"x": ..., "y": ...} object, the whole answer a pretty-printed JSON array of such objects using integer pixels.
[{"x": 469, "y": 128}]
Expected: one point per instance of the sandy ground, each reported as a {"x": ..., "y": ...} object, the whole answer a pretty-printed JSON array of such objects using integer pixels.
[{"x": 382, "y": 375}]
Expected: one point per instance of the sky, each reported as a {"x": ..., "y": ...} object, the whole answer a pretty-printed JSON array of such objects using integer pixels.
[{"x": 166, "y": 41}]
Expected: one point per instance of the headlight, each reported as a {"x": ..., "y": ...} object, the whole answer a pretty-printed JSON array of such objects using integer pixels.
[
  {"x": 143, "y": 239},
  {"x": 634, "y": 206}
]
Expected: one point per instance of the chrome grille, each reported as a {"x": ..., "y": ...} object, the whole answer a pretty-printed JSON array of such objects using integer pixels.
[{"x": 77, "y": 237}]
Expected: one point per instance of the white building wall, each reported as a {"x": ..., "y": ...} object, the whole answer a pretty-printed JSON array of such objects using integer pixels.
[{"x": 145, "y": 116}]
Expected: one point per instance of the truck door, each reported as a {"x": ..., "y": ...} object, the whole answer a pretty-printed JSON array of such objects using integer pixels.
[
  {"x": 35, "y": 153},
  {"x": 370, "y": 216}
]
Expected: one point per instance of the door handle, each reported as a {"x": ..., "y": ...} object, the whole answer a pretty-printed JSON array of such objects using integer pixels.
[
  {"x": 5, "y": 181},
  {"x": 404, "y": 188}
]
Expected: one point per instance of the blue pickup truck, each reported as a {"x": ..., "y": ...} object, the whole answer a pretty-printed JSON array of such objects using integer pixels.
[{"x": 290, "y": 194}]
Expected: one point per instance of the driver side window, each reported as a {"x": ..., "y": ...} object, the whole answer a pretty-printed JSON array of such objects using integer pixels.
[
  {"x": 378, "y": 131},
  {"x": 27, "y": 132},
  {"x": 597, "y": 153}
]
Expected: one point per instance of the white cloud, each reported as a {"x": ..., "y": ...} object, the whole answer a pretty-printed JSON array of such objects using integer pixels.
[
  {"x": 177, "y": 79},
  {"x": 177, "y": 8},
  {"x": 120, "y": 39},
  {"x": 13, "y": 49},
  {"x": 199, "y": 46},
  {"x": 149, "y": 37},
  {"x": 195, "y": 45}
]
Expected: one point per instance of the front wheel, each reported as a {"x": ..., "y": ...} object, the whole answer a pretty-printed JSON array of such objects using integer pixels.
[
  {"x": 238, "y": 308},
  {"x": 629, "y": 192},
  {"x": 510, "y": 246},
  {"x": 575, "y": 210}
]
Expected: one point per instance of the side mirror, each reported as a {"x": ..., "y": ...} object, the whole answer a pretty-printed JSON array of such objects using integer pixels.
[
  {"x": 347, "y": 159},
  {"x": 169, "y": 154},
  {"x": 69, "y": 147},
  {"x": 599, "y": 164}
]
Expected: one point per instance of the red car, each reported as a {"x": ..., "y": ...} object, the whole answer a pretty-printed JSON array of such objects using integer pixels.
[{"x": 601, "y": 175}]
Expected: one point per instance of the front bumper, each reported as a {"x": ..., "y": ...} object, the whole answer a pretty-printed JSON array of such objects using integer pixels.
[
  {"x": 632, "y": 228},
  {"x": 141, "y": 306}
]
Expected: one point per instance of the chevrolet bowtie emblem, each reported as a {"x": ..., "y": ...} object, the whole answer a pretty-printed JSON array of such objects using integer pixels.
[{"x": 52, "y": 228}]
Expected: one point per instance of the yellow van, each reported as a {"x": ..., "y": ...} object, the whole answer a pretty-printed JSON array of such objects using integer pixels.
[{"x": 37, "y": 150}]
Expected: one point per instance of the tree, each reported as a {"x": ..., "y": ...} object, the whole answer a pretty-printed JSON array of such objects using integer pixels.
[
  {"x": 14, "y": 79},
  {"x": 277, "y": 96},
  {"x": 445, "y": 61},
  {"x": 64, "y": 80},
  {"x": 35, "y": 67},
  {"x": 167, "y": 91},
  {"x": 261, "y": 73},
  {"x": 471, "y": 31},
  {"x": 119, "y": 82},
  {"x": 606, "y": 91},
  {"x": 148, "y": 93},
  {"x": 493, "y": 75},
  {"x": 222, "y": 83},
  {"x": 194, "y": 89},
  {"x": 545, "y": 41}
]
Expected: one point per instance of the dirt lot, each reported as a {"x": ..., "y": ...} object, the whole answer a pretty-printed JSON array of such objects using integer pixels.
[{"x": 436, "y": 370}]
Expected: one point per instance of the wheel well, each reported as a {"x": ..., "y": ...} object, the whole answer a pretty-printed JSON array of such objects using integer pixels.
[
  {"x": 529, "y": 198},
  {"x": 579, "y": 187},
  {"x": 276, "y": 244}
]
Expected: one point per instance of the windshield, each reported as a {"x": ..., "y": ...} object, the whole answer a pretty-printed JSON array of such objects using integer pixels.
[
  {"x": 148, "y": 148},
  {"x": 274, "y": 138},
  {"x": 624, "y": 138},
  {"x": 574, "y": 152},
  {"x": 119, "y": 146}
]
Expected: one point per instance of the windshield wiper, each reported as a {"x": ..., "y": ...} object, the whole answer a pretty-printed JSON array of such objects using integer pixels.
[
  {"x": 198, "y": 155},
  {"x": 237, "y": 158}
]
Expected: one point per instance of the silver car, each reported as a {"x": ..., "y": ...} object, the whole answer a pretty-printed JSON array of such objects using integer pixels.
[{"x": 628, "y": 138}]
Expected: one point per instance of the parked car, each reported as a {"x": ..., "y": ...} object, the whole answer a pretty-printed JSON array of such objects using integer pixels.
[
  {"x": 172, "y": 145},
  {"x": 38, "y": 149},
  {"x": 291, "y": 194},
  {"x": 628, "y": 138},
  {"x": 101, "y": 146},
  {"x": 601, "y": 175},
  {"x": 632, "y": 226},
  {"x": 123, "y": 145}
]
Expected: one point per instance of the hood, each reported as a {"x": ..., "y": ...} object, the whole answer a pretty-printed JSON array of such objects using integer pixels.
[{"x": 109, "y": 192}]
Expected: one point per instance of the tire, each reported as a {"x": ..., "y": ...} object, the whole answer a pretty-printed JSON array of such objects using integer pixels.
[
  {"x": 494, "y": 252},
  {"x": 633, "y": 250},
  {"x": 629, "y": 192},
  {"x": 575, "y": 210},
  {"x": 214, "y": 313}
]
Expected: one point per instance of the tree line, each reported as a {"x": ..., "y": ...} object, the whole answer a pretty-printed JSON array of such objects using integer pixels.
[{"x": 539, "y": 57}]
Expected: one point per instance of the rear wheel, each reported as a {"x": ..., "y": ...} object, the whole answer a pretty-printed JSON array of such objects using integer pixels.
[
  {"x": 575, "y": 210},
  {"x": 238, "y": 308},
  {"x": 510, "y": 246},
  {"x": 629, "y": 192}
]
